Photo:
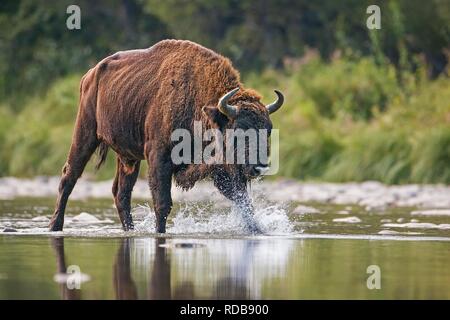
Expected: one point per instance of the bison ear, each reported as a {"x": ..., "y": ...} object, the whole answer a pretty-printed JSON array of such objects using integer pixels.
[{"x": 213, "y": 114}]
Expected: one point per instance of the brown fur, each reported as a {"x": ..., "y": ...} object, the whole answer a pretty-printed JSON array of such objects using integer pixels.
[{"x": 132, "y": 101}]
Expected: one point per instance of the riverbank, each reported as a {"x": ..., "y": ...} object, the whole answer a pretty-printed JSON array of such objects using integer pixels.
[{"x": 370, "y": 195}]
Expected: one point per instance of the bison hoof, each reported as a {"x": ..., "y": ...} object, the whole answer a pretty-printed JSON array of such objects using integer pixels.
[
  {"x": 255, "y": 230},
  {"x": 161, "y": 229},
  {"x": 128, "y": 226}
]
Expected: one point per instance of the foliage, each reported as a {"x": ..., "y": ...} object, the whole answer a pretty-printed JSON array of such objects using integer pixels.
[
  {"x": 407, "y": 140},
  {"x": 37, "y": 142},
  {"x": 36, "y": 47},
  {"x": 360, "y": 104}
]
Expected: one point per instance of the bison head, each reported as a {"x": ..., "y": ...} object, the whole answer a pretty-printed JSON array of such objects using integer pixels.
[{"x": 244, "y": 114}]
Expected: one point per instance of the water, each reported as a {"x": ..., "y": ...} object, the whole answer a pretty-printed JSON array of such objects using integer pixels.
[{"x": 307, "y": 251}]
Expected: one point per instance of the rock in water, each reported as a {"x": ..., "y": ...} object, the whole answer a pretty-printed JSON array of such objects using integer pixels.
[
  {"x": 85, "y": 217},
  {"x": 348, "y": 220},
  {"x": 40, "y": 219},
  {"x": 300, "y": 209},
  {"x": 435, "y": 212}
]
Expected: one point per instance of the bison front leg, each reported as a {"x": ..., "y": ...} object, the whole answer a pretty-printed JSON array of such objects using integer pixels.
[
  {"x": 235, "y": 189},
  {"x": 160, "y": 181}
]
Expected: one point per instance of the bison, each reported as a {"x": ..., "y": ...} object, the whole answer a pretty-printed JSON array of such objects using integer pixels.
[{"x": 133, "y": 100}]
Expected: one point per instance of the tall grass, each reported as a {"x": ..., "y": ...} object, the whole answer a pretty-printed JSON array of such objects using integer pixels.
[
  {"x": 37, "y": 139},
  {"x": 355, "y": 120}
]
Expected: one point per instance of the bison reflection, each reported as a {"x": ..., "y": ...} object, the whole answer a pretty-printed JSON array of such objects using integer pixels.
[
  {"x": 202, "y": 269},
  {"x": 210, "y": 269},
  {"x": 159, "y": 284},
  {"x": 124, "y": 286},
  {"x": 61, "y": 268}
]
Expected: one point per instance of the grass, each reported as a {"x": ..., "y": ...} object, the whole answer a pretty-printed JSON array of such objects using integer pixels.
[{"x": 351, "y": 120}]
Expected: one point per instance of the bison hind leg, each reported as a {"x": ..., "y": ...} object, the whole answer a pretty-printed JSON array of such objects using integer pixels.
[
  {"x": 127, "y": 173},
  {"x": 160, "y": 180},
  {"x": 81, "y": 150},
  {"x": 84, "y": 143}
]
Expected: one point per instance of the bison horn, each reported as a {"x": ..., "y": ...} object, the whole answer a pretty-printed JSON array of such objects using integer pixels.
[
  {"x": 227, "y": 109},
  {"x": 274, "y": 106}
]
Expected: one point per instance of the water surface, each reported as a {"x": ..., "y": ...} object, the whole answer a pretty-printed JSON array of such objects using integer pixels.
[{"x": 304, "y": 253}]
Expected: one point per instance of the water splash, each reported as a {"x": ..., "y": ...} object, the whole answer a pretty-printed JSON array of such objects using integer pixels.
[{"x": 192, "y": 219}]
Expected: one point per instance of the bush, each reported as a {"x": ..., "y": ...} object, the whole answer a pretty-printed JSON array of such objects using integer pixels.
[
  {"x": 6, "y": 121},
  {"x": 372, "y": 155},
  {"x": 431, "y": 158},
  {"x": 307, "y": 156},
  {"x": 350, "y": 88},
  {"x": 40, "y": 136},
  {"x": 38, "y": 140},
  {"x": 351, "y": 121}
]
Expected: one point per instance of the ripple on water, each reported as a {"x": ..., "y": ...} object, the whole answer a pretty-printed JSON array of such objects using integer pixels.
[
  {"x": 218, "y": 220},
  {"x": 418, "y": 225}
]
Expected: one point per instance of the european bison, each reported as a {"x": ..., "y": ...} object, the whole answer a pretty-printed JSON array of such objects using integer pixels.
[{"x": 132, "y": 101}]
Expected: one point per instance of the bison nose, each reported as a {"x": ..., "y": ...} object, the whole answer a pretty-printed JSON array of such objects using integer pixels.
[{"x": 260, "y": 169}]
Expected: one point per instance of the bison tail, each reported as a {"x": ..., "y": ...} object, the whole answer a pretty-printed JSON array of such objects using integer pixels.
[{"x": 102, "y": 152}]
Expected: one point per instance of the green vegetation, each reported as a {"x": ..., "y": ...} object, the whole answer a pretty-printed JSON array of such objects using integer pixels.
[
  {"x": 38, "y": 139},
  {"x": 360, "y": 104},
  {"x": 354, "y": 121}
]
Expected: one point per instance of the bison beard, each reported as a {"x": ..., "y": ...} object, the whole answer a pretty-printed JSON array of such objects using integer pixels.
[{"x": 132, "y": 101}]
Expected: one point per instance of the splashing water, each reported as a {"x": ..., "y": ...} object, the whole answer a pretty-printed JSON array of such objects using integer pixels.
[{"x": 191, "y": 219}]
